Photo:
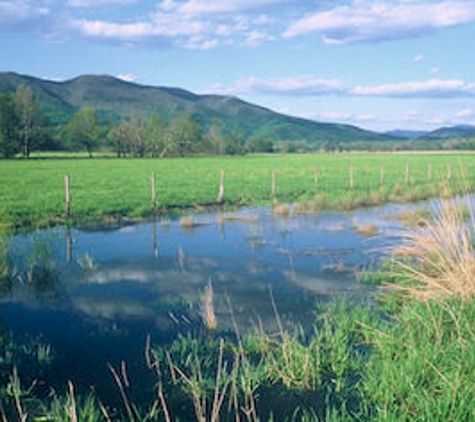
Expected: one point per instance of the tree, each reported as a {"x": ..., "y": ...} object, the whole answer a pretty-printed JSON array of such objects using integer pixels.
[
  {"x": 185, "y": 134},
  {"x": 29, "y": 118},
  {"x": 235, "y": 144},
  {"x": 260, "y": 145},
  {"x": 155, "y": 137},
  {"x": 9, "y": 142},
  {"x": 128, "y": 138},
  {"x": 83, "y": 130},
  {"x": 214, "y": 138}
]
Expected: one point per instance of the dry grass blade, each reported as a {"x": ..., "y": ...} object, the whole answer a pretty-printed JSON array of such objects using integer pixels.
[
  {"x": 123, "y": 394},
  {"x": 207, "y": 308},
  {"x": 439, "y": 258},
  {"x": 16, "y": 391},
  {"x": 73, "y": 417}
]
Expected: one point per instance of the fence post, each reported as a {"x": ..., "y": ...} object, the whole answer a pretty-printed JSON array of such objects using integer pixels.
[
  {"x": 381, "y": 176},
  {"x": 153, "y": 181},
  {"x": 315, "y": 178},
  {"x": 221, "y": 188},
  {"x": 406, "y": 176},
  {"x": 449, "y": 172},
  {"x": 352, "y": 177},
  {"x": 67, "y": 188},
  {"x": 274, "y": 185},
  {"x": 429, "y": 172}
]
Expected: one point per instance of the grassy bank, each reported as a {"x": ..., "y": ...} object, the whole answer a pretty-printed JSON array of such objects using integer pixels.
[
  {"x": 33, "y": 191},
  {"x": 415, "y": 364}
]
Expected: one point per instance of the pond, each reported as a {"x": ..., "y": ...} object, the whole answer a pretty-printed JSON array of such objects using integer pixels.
[{"x": 91, "y": 297}]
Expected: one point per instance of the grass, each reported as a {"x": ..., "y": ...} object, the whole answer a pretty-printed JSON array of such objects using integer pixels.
[
  {"x": 32, "y": 191},
  {"x": 437, "y": 261},
  {"x": 413, "y": 360}
]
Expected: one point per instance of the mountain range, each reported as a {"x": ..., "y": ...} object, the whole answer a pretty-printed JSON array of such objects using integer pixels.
[{"x": 114, "y": 99}]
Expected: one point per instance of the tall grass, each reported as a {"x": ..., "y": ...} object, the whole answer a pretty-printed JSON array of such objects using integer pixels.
[{"x": 437, "y": 260}]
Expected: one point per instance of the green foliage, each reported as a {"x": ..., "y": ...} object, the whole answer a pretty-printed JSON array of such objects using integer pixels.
[
  {"x": 155, "y": 137},
  {"x": 83, "y": 130},
  {"x": 185, "y": 135},
  {"x": 30, "y": 120},
  {"x": 421, "y": 365},
  {"x": 9, "y": 140},
  {"x": 128, "y": 138}
]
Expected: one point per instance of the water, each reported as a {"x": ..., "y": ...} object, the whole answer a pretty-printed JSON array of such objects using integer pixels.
[{"x": 94, "y": 296}]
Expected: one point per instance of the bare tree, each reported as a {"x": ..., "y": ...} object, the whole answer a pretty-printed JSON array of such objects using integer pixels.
[{"x": 28, "y": 113}]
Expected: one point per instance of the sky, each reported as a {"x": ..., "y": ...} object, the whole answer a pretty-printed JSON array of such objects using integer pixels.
[{"x": 376, "y": 64}]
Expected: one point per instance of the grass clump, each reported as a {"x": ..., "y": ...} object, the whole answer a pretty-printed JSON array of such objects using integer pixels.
[{"x": 437, "y": 261}]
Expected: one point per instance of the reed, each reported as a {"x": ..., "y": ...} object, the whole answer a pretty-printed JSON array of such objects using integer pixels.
[
  {"x": 366, "y": 229},
  {"x": 207, "y": 313},
  {"x": 437, "y": 261}
]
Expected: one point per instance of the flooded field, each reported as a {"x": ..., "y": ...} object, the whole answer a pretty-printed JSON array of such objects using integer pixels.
[{"x": 91, "y": 297}]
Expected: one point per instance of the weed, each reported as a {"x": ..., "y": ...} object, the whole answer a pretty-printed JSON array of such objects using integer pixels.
[{"x": 438, "y": 260}]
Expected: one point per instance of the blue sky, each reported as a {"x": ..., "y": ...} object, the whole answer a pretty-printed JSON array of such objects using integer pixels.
[{"x": 377, "y": 64}]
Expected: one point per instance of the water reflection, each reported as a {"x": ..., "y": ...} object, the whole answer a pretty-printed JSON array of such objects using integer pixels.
[{"x": 96, "y": 294}]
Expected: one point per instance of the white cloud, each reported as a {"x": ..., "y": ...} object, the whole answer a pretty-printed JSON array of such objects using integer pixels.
[
  {"x": 258, "y": 37},
  {"x": 418, "y": 58},
  {"x": 101, "y": 29},
  {"x": 193, "y": 24},
  {"x": 307, "y": 86},
  {"x": 334, "y": 116},
  {"x": 98, "y": 3},
  {"x": 16, "y": 12},
  {"x": 370, "y": 21},
  {"x": 216, "y": 7},
  {"x": 433, "y": 88},
  {"x": 158, "y": 28},
  {"x": 466, "y": 112},
  {"x": 127, "y": 77},
  {"x": 297, "y": 86}
]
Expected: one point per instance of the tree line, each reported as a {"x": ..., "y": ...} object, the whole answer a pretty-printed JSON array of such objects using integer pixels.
[{"x": 24, "y": 129}]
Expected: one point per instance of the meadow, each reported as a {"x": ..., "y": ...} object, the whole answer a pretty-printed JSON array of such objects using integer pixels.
[
  {"x": 410, "y": 357},
  {"x": 33, "y": 191}
]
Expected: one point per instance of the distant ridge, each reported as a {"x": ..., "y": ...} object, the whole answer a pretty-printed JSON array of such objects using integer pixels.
[
  {"x": 115, "y": 99},
  {"x": 451, "y": 132},
  {"x": 406, "y": 134}
]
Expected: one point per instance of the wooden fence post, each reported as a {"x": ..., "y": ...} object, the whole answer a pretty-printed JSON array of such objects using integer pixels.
[
  {"x": 429, "y": 172},
  {"x": 381, "y": 176},
  {"x": 221, "y": 188},
  {"x": 273, "y": 187},
  {"x": 406, "y": 175},
  {"x": 315, "y": 178},
  {"x": 352, "y": 177},
  {"x": 449, "y": 172},
  {"x": 67, "y": 188},
  {"x": 153, "y": 181}
]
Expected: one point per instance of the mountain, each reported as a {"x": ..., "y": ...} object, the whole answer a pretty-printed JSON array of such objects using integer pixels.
[
  {"x": 451, "y": 132},
  {"x": 406, "y": 134},
  {"x": 115, "y": 99}
]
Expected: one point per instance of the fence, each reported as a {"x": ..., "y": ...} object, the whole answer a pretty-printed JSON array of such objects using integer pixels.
[{"x": 362, "y": 185}]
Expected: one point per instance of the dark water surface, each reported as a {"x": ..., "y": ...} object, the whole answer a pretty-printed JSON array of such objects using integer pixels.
[{"x": 95, "y": 295}]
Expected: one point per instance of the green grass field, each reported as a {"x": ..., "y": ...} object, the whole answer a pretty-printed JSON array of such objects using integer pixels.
[{"x": 32, "y": 192}]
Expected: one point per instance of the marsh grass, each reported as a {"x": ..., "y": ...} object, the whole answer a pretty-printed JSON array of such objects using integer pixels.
[
  {"x": 421, "y": 363},
  {"x": 413, "y": 218},
  {"x": 437, "y": 261},
  {"x": 207, "y": 312},
  {"x": 281, "y": 210},
  {"x": 369, "y": 230}
]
